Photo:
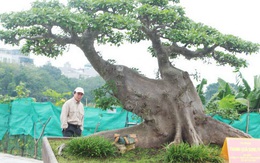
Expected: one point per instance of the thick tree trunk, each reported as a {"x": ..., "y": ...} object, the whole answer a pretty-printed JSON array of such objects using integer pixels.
[{"x": 170, "y": 107}]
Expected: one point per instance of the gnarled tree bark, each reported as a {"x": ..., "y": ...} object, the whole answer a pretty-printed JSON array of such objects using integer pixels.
[{"x": 170, "y": 107}]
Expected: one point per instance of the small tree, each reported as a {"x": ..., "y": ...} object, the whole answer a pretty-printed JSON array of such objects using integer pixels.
[
  {"x": 21, "y": 90},
  {"x": 57, "y": 98}
]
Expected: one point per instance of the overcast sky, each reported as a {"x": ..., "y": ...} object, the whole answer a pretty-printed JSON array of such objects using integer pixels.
[{"x": 237, "y": 17}]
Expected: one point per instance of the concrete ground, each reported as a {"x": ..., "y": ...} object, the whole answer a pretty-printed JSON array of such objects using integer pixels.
[{"x": 7, "y": 158}]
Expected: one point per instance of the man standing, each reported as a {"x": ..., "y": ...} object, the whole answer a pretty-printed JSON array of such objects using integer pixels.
[{"x": 72, "y": 115}]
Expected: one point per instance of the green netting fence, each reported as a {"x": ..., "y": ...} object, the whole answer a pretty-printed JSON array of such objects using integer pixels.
[
  {"x": 25, "y": 117},
  {"x": 22, "y": 123},
  {"x": 248, "y": 123}
]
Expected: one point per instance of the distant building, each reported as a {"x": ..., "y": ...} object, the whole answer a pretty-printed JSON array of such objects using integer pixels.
[
  {"x": 14, "y": 56},
  {"x": 86, "y": 72}
]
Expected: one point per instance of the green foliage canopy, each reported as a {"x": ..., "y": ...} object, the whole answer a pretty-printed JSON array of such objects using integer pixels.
[{"x": 49, "y": 26}]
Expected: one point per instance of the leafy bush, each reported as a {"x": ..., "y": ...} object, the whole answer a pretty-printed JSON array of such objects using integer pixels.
[
  {"x": 94, "y": 146},
  {"x": 196, "y": 154},
  {"x": 228, "y": 107}
]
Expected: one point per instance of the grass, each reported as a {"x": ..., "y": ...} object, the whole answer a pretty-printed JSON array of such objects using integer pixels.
[{"x": 137, "y": 155}]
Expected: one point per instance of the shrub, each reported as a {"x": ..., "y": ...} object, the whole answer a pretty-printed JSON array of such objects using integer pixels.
[
  {"x": 196, "y": 154},
  {"x": 94, "y": 146}
]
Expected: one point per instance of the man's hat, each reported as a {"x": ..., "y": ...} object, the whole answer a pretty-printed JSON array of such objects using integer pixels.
[{"x": 79, "y": 89}]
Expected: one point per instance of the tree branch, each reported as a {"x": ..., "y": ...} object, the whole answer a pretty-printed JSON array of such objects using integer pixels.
[{"x": 189, "y": 54}]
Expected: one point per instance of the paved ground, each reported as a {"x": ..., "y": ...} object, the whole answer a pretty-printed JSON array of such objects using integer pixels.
[{"x": 7, "y": 158}]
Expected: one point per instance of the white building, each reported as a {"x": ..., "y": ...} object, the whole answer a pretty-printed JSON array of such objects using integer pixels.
[
  {"x": 86, "y": 72},
  {"x": 14, "y": 56}
]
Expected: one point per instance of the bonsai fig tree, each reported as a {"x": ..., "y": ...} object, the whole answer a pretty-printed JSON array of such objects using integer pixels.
[{"x": 170, "y": 106}]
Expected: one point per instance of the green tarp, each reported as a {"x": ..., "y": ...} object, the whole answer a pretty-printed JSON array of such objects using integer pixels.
[
  {"x": 4, "y": 116},
  {"x": 241, "y": 124},
  {"x": 21, "y": 121},
  {"x": 45, "y": 112},
  {"x": 26, "y": 117}
]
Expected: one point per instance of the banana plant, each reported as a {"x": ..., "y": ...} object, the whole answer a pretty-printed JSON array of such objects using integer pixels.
[
  {"x": 231, "y": 103},
  {"x": 243, "y": 87},
  {"x": 253, "y": 96},
  {"x": 224, "y": 102},
  {"x": 200, "y": 91}
]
